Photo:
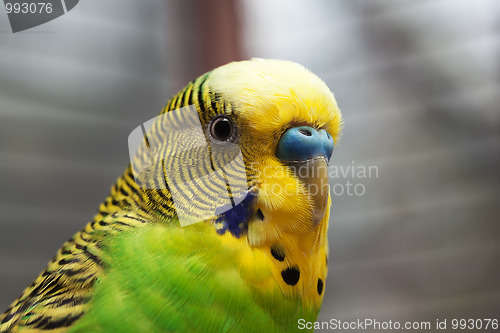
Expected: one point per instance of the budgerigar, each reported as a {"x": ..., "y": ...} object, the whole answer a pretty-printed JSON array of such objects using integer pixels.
[{"x": 218, "y": 225}]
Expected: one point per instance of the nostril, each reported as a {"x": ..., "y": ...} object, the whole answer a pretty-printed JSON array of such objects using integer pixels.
[
  {"x": 303, "y": 143},
  {"x": 306, "y": 132}
]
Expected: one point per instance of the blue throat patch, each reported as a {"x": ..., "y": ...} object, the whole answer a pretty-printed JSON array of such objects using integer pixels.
[{"x": 235, "y": 220}]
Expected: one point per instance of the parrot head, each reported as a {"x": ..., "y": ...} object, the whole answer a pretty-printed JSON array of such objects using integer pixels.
[{"x": 245, "y": 149}]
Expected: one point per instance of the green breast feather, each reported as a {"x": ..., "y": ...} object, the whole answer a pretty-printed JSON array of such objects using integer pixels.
[{"x": 182, "y": 279}]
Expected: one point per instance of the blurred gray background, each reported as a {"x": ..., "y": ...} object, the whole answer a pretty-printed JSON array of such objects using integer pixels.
[{"x": 417, "y": 81}]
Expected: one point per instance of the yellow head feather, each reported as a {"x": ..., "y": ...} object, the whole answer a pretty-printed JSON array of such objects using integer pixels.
[{"x": 268, "y": 97}]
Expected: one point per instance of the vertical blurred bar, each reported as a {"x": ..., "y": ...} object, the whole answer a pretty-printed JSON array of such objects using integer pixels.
[{"x": 203, "y": 35}]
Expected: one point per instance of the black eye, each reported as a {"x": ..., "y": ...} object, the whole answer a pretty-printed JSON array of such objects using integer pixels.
[{"x": 221, "y": 128}]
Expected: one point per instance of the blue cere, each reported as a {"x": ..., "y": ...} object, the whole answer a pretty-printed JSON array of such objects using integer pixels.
[
  {"x": 235, "y": 220},
  {"x": 303, "y": 143}
]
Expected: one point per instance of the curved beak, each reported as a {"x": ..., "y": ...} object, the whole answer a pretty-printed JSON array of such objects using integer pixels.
[{"x": 314, "y": 174}]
